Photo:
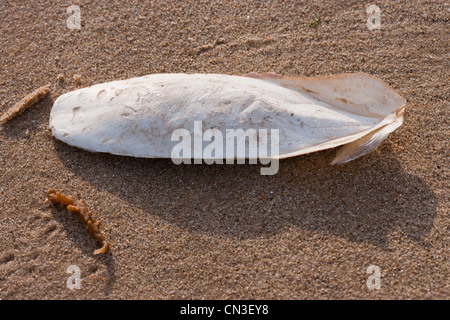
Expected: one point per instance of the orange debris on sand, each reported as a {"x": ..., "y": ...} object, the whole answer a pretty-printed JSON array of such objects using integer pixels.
[
  {"x": 25, "y": 103},
  {"x": 80, "y": 207}
]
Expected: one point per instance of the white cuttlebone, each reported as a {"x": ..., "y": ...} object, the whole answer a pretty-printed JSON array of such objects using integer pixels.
[{"x": 136, "y": 117}]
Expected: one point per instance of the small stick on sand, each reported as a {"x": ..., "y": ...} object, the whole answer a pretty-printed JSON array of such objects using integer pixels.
[
  {"x": 25, "y": 103},
  {"x": 80, "y": 207}
]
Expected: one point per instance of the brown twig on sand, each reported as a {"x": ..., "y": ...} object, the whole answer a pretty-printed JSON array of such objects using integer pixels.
[
  {"x": 80, "y": 207},
  {"x": 25, "y": 103}
]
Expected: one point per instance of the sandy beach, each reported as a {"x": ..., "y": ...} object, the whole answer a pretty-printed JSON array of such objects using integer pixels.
[{"x": 312, "y": 231}]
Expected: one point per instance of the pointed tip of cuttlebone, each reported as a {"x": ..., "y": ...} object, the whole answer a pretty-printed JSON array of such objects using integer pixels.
[
  {"x": 358, "y": 93},
  {"x": 369, "y": 142}
]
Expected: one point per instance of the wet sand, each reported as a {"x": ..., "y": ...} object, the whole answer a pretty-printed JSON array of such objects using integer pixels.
[{"x": 224, "y": 231}]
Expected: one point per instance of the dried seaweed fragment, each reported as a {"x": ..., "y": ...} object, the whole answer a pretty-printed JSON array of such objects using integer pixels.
[
  {"x": 80, "y": 208},
  {"x": 25, "y": 103}
]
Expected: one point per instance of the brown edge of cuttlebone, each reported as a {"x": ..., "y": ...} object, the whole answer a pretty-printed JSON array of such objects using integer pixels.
[
  {"x": 394, "y": 102},
  {"x": 357, "y": 144},
  {"x": 80, "y": 207}
]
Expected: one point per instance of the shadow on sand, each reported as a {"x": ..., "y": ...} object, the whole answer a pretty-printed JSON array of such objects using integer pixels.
[{"x": 362, "y": 201}]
